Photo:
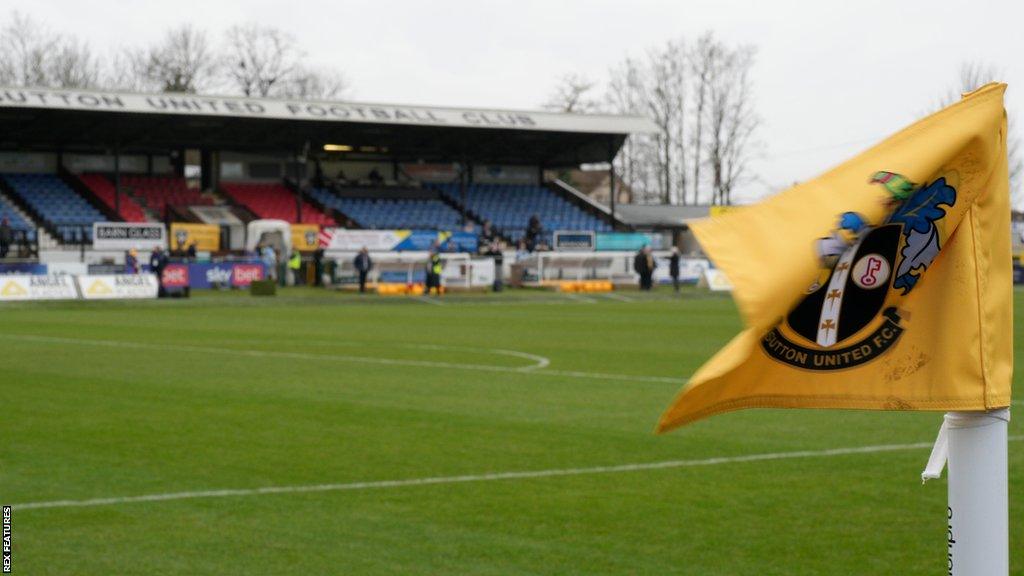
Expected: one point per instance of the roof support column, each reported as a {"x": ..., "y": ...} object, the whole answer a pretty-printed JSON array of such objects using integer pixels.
[
  {"x": 298, "y": 188},
  {"x": 611, "y": 179},
  {"x": 207, "y": 171},
  {"x": 117, "y": 178},
  {"x": 462, "y": 191}
]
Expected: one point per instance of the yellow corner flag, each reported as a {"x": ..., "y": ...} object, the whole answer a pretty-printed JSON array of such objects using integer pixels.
[{"x": 884, "y": 284}]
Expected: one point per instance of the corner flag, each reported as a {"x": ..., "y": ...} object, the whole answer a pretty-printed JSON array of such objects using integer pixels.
[{"x": 884, "y": 284}]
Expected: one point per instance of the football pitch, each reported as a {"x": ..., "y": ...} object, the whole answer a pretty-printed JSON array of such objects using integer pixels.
[{"x": 319, "y": 433}]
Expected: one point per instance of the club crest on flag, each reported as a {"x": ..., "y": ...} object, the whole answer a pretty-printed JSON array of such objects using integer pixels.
[{"x": 850, "y": 315}]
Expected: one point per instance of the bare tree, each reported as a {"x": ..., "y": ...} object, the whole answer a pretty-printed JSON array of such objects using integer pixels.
[
  {"x": 703, "y": 60},
  {"x": 572, "y": 94},
  {"x": 700, "y": 98},
  {"x": 72, "y": 65},
  {"x": 625, "y": 95},
  {"x": 665, "y": 99},
  {"x": 31, "y": 55},
  {"x": 731, "y": 122},
  {"x": 260, "y": 60},
  {"x": 24, "y": 50},
  {"x": 973, "y": 75},
  {"x": 182, "y": 61},
  {"x": 315, "y": 85}
]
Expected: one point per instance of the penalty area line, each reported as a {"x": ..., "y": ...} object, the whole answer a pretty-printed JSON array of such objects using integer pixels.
[{"x": 470, "y": 478}]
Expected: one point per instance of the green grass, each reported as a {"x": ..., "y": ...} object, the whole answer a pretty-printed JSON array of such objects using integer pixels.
[{"x": 81, "y": 420}]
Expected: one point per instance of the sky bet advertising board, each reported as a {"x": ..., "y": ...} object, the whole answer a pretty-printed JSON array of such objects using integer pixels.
[{"x": 213, "y": 275}]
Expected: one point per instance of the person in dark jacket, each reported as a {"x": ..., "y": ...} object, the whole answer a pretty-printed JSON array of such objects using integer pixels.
[
  {"x": 486, "y": 237},
  {"x": 363, "y": 265},
  {"x": 6, "y": 237},
  {"x": 533, "y": 233},
  {"x": 644, "y": 265},
  {"x": 673, "y": 268},
  {"x": 157, "y": 263}
]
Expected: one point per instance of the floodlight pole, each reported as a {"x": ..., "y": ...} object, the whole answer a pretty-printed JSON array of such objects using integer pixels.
[{"x": 977, "y": 540}]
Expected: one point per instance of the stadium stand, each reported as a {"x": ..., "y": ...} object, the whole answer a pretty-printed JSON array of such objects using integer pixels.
[
  {"x": 273, "y": 200},
  {"x": 69, "y": 215},
  {"x": 158, "y": 192},
  {"x": 15, "y": 219},
  {"x": 372, "y": 212},
  {"x": 105, "y": 191},
  {"x": 153, "y": 192},
  {"x": 510, "y": 206}
]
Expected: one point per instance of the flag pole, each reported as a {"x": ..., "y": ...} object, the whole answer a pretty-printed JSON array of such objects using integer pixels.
[{"x": 977, "y": 542}]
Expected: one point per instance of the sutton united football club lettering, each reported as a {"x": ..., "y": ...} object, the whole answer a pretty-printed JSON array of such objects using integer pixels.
[
  {"x": 869, "y": 266},
  {"x": 198, "y": 105}
]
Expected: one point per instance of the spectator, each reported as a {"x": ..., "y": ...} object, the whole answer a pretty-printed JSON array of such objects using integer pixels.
[
  {"x": 269, "y": 258},
  {"x": 191, "y": 252},
  {"x": 363, "y": 265},
  {"x": 6, "y": 237},
  {"x": 486, "y": 237},
  {"x": 673, "y": 268},
  {"x": 522, "y": 250},
  {"x": 644, "y": 265},
  {"x": 131, "y": 262},
  {"x": 494, "y": 251},
  {"x": 318, "y": 266},
  {"x": 295, "y": 265},
  {"x": 533, "y": 233},
  {"x": 157, "y": 263},
  {"x": 375, "y": 178}
]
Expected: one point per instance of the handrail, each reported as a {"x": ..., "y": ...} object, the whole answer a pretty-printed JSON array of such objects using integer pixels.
[{"x": 581, "y": 196}]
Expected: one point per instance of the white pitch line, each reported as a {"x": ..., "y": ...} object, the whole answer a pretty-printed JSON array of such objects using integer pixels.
[
  {"x": 428, "y": 300},
  {"x": 580, "y": 298},
  {"x": 538, "y": 361},
  {"x": 618, "y": 297},
  {"x": 525, "y": 370},
  {"x": 488, "y": 477}
]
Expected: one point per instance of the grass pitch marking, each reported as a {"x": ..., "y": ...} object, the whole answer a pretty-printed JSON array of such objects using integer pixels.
[
  {"x": 538, "y": 360},
  {"x": 487, "y": 477},
  {"x": 539, "y": 368},
  {"x": 619, "y": 297}
]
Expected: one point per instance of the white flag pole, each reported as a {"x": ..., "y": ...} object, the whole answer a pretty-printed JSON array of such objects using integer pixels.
[{"x": 978, "y": 537}]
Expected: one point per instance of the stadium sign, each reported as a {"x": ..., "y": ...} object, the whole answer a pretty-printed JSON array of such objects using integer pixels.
[
  {"x": 197, "y": 105},
  {"x": 37, "y": 287},
  {"x": 117, "y": 286},
  {"x": 574, "y": 241},
  {"x": 396, "y": 240},
  {"x": 127, "y": 235}
]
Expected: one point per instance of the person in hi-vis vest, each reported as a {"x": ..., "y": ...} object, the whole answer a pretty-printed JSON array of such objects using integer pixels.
[
  {"x": 295, "y": 265},
  {"x": 434, "y": 268}
]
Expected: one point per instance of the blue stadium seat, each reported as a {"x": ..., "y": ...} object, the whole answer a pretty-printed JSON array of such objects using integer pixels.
[
  {"x": 14, "y": 219},
  {"x": 392, "y": 213},
  {"x": 70, "y": 215},
  {"x": 510, "y": 206}
]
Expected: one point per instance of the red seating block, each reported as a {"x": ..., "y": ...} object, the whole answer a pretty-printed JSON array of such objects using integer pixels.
[
  {"x": 274, "y": 200},
  {"x": 105, "y": 191}
]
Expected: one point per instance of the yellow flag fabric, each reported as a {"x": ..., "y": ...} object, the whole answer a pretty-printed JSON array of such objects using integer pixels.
[{"x": 884, "y": 284}]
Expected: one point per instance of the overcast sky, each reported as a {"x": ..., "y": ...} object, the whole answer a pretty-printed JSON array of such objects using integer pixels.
[{"x": 831, "y": 76}]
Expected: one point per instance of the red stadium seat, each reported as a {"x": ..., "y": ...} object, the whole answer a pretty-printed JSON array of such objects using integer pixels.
[
  {"x": 159, "y": 192},
  {"x": 274, "y": 200},
  {"x": 105, "y": 191}
]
